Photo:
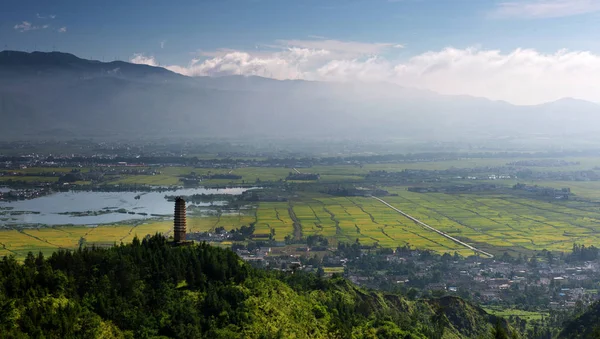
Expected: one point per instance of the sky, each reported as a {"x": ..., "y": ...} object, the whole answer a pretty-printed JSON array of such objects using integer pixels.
[{"x": 520, "y": 51}]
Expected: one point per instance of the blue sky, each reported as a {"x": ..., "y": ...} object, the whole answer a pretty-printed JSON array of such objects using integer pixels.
[
  {"x": 181, "y": 33},
  {"x": 121, "y": 28}
]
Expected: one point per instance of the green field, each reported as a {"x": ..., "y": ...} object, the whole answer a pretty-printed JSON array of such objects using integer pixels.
[
  {"x": 49, "y": 239},
  {"x": 28, "y": 179},
  {"x": 347, "y": 219},
  {"x": 491, "y": 221},
  {"x": 507, "y": 312}
]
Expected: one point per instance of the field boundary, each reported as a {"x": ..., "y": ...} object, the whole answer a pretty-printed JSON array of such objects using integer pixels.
[{"x": 434, "y": 229}]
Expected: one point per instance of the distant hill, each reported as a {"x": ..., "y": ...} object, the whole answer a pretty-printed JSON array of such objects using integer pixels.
[
  {"x": 151, "y": 289},
  {"x": 58, "y": 94},
  {"x": 55, "y": 63}
]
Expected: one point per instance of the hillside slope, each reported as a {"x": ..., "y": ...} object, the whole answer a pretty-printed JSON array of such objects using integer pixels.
[
  {"x": 586, "y": 325},
  {"x": 152, "y": 289}
]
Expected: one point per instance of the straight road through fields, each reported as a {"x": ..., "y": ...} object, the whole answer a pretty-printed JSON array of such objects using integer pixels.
[{"x": 435, "y": 230}]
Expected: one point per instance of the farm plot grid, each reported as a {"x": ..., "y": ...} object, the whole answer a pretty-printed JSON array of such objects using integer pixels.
[
  {"x": 504, "y": 221},
  {"x": 348, "y": 219}
]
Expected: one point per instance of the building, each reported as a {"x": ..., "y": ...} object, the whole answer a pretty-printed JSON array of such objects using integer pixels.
[{"x": 179, "y": 222}]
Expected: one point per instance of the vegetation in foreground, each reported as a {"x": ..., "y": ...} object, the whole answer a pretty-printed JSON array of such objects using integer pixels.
[
  {"x": 584, "y": 326},
  {"x": 151, "y": 289}
]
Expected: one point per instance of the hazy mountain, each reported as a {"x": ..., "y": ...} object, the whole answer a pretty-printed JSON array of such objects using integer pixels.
[{"x": 58, "y": 94}]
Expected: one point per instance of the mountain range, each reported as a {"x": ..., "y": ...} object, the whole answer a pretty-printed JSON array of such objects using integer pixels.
[{"x": 58, "y": 94}]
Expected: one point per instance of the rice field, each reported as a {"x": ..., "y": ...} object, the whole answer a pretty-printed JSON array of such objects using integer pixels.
[
  {"x": 491, "y": 222},
  {"x": 348, "y": 219},
  {"x": 28, "y": 179},
  {"x": 50, "y": 239},
  {"x": 503, "y": 221},
  {"x": 274, "y": 215}
]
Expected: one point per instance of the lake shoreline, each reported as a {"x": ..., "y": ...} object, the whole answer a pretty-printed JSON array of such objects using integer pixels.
[{"x": 92, "y": 207}]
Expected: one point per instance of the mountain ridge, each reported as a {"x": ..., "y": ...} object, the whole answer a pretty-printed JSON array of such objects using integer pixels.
[
  {"x": 42, "y": 91},
  {"x": 63, "y": 57}
]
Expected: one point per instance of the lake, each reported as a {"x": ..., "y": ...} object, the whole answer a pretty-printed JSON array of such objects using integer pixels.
[{"x": 49, "y": 206}]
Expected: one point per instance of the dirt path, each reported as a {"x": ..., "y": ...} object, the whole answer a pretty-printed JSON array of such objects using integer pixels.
[{"x": 297, "y": 224}]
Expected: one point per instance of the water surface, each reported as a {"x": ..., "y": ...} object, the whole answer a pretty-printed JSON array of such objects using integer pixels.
[{"x": 49, "y": 206}]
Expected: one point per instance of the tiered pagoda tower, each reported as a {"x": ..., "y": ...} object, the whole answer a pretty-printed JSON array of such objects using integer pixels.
[{"x": 179, "y": 220}]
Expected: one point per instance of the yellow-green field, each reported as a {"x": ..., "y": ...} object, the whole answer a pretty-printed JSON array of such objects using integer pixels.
[
  {"x": 274, "y": 215},
  {"x": 28, "y": 179},
  {"x": 493, "y": 222},
  {"x": 369, "y": 221},
  {"x": 50, "y": 239},
  {"x": 336, "y": 173},
  {"x": 507, "y": 312}
]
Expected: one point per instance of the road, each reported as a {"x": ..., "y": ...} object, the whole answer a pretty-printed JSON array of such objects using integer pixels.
[
  {"x": 435, "y": 230},
  {"x": 298, "y": 172}
]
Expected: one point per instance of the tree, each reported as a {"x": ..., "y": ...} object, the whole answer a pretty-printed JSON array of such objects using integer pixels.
[{"x": 498, "y": 332}]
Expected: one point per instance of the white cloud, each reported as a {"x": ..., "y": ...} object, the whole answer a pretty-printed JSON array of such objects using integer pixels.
[
  {"x": 521, "y": 76},
  {"x": 283, "y": 65},
  {"x": 141, "y": 59},
  {"x": 342, "y": 48},
  {"x": 23, "y": 27},
  {"x": 26, "y": 26},
  {"x": 162, "y": 44},
  {"x": 545, "y": 8},
  {"x": 62, "y": 30}
]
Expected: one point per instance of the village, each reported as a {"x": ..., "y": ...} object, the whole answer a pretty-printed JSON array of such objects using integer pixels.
[{"x": 542, "y": 282}]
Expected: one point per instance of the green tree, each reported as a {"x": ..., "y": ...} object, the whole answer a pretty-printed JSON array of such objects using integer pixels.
[{"x": 499, "y": 332}]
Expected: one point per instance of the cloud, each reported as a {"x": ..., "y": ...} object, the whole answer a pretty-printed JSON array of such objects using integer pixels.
[
  {"x": 290, "y": 64},
  {"x": 341, "y": 48},
  {"x": 51, "y": 16},
  {"x": 545, "y": 8},
  {"x": 521, "y": 76},
  {"x": 162, "y": 44},
  {"x": 62, "y": 30},
  {"x": 26, "y": 26},
  {"x": 141, "y": 59}
]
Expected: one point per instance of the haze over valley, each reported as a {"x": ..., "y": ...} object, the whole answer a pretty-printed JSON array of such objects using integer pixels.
[{"x": 60, "y": 95}]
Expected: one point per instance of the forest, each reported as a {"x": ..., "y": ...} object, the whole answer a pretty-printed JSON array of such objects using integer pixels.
[{"x": 153, "y": 289}]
